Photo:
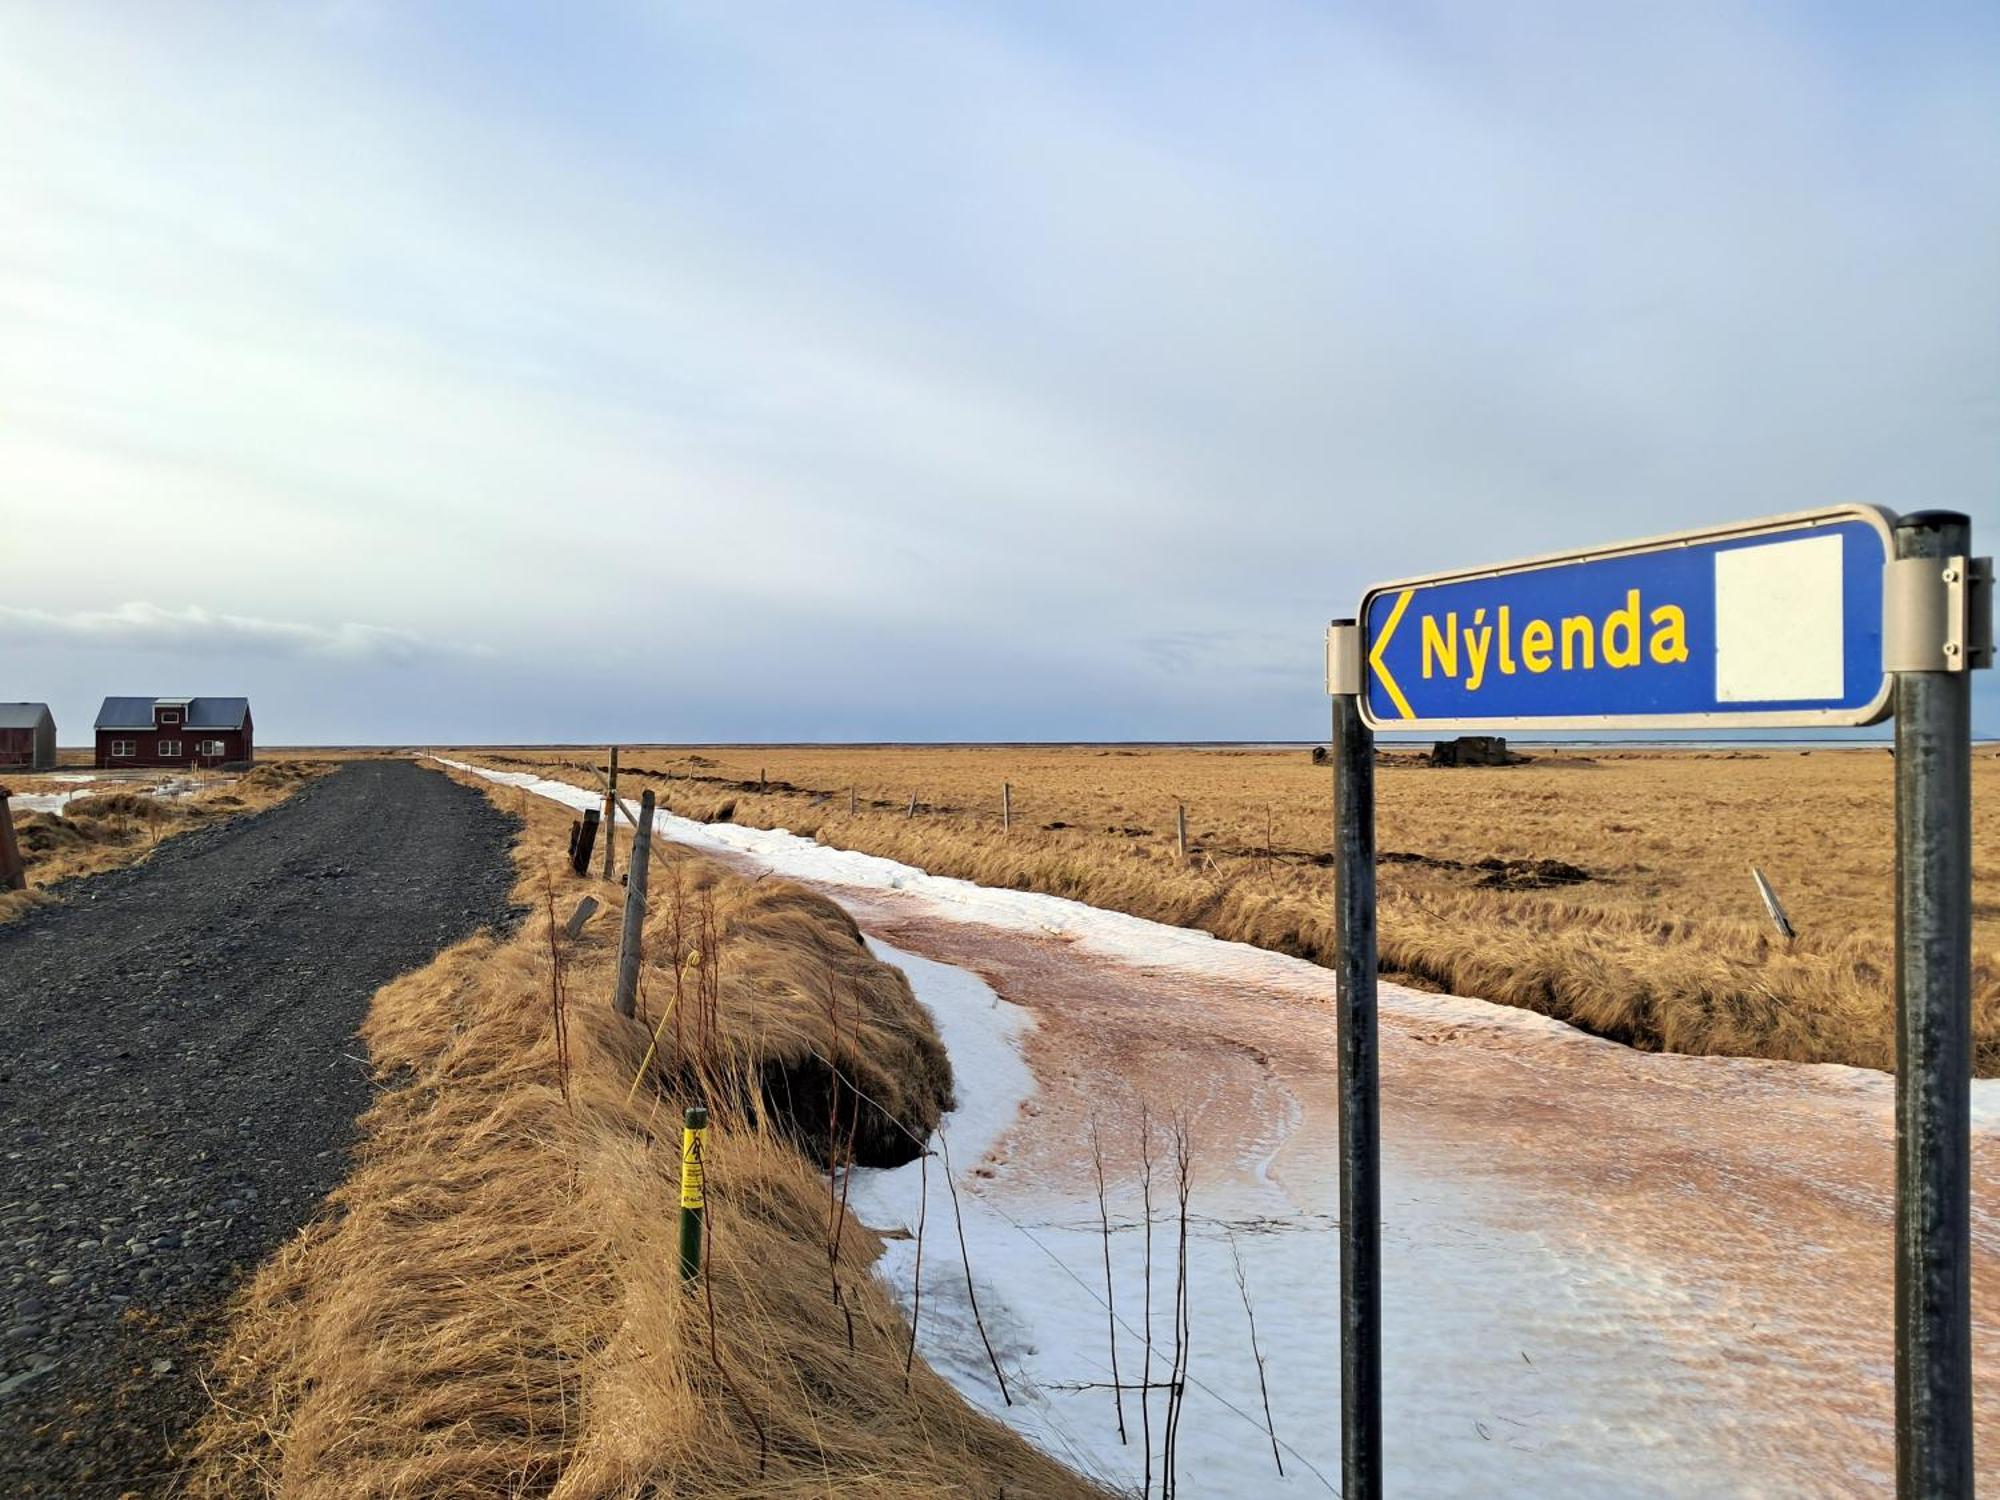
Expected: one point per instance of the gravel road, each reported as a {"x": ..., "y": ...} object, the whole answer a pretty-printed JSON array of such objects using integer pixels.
[{"x": 179, "y": 1087}]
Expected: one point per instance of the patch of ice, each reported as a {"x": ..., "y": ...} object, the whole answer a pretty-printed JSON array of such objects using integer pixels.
[
  {"x": 55, "y": 802},
  {"x": 1513, "y": 1362},
  {"x": 42, "y": 802}
]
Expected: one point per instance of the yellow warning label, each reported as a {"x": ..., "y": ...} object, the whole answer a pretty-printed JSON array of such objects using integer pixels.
[{"x": 691, "y": 1144}]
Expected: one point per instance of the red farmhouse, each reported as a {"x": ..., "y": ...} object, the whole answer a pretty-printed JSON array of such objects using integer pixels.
[
  {"x": 174, "y": 732},
  {"x": 27, "y": 736}
]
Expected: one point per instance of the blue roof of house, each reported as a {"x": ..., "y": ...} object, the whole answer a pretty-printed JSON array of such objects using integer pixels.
[{"x": 202, "y": 713}]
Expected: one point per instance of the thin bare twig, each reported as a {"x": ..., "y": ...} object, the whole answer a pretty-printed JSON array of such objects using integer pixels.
[
  {"x": 1146, "y": 1375},
  {"x": 828, "y": 1002},
  {"x": 965, "y": 1255},
  {"x": 1263, "y": 1388},
  {"x": 558, "y": 1012},
  {"x": 839, "y": 1165},
  {"x": 714, "y": 1350},
  {"x": 1110, "y": 1302},
  {"x": 711, "y": 980},
  {"x": 917, "y": 1277},
  {"x": 677, "y": 935},
  {"x": 1177, "y": 1383}
]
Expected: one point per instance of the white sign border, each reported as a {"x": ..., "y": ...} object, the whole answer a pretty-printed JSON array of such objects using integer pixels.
[{"x": 1873, "y": 712}]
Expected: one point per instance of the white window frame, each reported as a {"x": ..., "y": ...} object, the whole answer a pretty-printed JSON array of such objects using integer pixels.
[
  {"x": 124, "y": 749},
  {"x": 168, "y": 749},
  {"x": 170, "y": 716},
  {"x": 214, "y": 748}
]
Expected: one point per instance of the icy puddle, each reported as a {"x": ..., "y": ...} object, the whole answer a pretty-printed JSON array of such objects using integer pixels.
[{"x": 1605, "y": 1272}]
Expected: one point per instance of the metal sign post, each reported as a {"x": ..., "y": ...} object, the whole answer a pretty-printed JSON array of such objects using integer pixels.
[
  {"x": 1830, "y": 617},
  {"x": 1933, "y": 707},
  {"x": 1360, "y": 1090}
]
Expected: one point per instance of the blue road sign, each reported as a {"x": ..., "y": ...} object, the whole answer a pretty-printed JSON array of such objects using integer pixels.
[{"x": 1774, "y": 623}]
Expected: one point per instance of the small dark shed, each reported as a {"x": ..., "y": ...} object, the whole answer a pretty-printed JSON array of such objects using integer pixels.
[
  {"x": 134, "y": 732},
  {"x": 27, "y": 736}
]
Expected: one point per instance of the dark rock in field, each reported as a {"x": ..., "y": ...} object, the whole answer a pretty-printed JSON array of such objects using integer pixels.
[
  {"x": 1501, "y": 874},
  {"x": 1475, "y": 750},
  {"x": 1529, "y": 874}
]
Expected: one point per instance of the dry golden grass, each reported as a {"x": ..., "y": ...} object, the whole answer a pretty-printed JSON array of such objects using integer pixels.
[
  {"x": 114, "y": 824},
  {"x": 494, "y": 1306},
  {"x": 1664, "y": 945}
]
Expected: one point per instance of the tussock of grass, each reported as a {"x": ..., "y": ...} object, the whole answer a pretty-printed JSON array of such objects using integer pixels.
[
  {"x": 1663, "y": 945},
  {"x": 494, "y": 1306},
  {"x": 792, "y": 954}
]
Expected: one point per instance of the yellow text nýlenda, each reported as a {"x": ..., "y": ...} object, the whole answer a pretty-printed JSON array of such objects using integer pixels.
[{"x": 1623, "y": 638}]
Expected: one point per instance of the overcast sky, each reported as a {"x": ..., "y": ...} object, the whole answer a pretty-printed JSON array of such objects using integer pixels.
[{"x": 512, "y": 371}]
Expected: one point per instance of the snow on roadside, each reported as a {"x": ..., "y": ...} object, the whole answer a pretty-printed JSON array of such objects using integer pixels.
[
  {"x": 43, "y": 802},
  {"x": 1154, "y": 945},
  {"x": 1506, "y": 1381},
  {"x": 1522, "y": 1369},
  {"x": 91, "y": 786}
]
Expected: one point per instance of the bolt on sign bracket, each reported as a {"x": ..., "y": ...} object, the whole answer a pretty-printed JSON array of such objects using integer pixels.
[
  {"x": 1343, "y": 659},
  {"x": 1937, "y": 614}
]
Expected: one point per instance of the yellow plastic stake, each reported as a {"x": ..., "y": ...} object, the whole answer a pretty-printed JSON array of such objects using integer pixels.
[{"x": 694, "y": 1142}]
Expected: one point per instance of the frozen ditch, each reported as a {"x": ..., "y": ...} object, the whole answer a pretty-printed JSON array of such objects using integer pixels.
[
  {"x": 1528, "y": 1355},
  {"x": 1133, "y": 940},
  {"x": 1548, "y": 1361}
]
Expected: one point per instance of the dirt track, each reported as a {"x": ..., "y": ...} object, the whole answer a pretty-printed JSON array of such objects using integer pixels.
[{"x": 179, "y": 1089}]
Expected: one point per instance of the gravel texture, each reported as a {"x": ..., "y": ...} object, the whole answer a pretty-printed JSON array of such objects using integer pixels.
[{"x": 179, "y": 1087}]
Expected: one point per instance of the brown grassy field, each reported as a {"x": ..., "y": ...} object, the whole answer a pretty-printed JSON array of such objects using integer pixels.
[
  {"x": 493, "y": 1307},
  {"x": 1654, "y": 936},
  {"x": 117, "y": 823}
]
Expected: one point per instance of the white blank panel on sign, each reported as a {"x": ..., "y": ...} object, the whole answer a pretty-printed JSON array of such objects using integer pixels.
[{"x": 1779, "y": 622}]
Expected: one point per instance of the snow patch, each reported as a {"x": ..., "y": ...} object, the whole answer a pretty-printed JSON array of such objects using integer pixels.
[
  {"x": 1520, "y": 1368},
  {"x": 1155, "y": 945},
  {"x": 1513, "y": 1362},
  {"x": 92, "y": 786}
]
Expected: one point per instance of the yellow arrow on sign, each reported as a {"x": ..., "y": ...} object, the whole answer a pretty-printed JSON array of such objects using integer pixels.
[{"x": 1375, "y": 662}]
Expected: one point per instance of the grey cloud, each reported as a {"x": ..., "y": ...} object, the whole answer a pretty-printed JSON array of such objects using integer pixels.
[{"x": 139, "y": 625}]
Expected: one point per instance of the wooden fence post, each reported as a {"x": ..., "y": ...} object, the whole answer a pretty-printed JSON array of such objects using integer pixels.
[
  {"x": 850, "y": 802},
  {"x": 1180, "y": 829},
  {"x": 625, "y": 1000},
  {"x": 585, "y": 909},
  {"x": 611, "y": 814},
  {"x": 582, "y": 836},
  {"x": 13, "y": 869},
  {"x": 913, "y": 806},
  {"x": 1006, "y": 808}
]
